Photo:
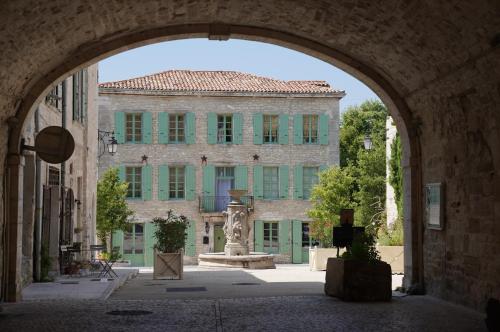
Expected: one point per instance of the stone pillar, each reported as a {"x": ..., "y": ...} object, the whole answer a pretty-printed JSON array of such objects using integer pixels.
[
  {"x": 14, "y": 215},
  {"x": 236, "y": 229}
]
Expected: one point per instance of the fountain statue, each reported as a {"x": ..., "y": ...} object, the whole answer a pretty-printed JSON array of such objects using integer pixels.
[{"x": 236, "y": 230}]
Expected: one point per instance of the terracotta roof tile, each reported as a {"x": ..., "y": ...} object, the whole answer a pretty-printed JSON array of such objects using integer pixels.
[{"x": 216, "y": 81}]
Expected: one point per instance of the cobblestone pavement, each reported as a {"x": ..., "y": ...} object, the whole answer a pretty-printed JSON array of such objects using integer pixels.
[{"x": 285, "y": 313}]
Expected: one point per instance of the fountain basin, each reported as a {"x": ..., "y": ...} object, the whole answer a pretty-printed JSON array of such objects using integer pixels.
[{"x": 254, "y": 261}]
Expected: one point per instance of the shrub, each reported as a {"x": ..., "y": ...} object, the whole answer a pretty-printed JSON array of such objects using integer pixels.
[
  {"x": 363, "y": 248},
  {"x": 170, "y": 232}
]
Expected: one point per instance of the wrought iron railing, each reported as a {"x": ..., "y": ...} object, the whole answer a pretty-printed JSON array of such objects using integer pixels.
[{"x": 219, "y": 203}]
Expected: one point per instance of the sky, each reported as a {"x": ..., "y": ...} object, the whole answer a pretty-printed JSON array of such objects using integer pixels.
[{"x": 238, "y": 55}]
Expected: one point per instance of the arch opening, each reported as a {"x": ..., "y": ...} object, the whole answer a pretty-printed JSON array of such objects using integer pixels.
[{"x": 89, "y": 54}]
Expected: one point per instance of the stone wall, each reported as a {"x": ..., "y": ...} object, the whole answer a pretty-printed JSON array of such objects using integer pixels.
[
  {"x": 221, "y": 154},
  {"x": 80, "y": 168}
]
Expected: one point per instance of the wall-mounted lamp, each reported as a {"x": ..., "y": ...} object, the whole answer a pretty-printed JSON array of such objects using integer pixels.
[
  {"x": 204, "y": 160},
  {"x": 144, "y": 159},
  {"x": 207, "y": 227},
  {"x": 107, "y": 142},
  {"x": 255, "y": 157}
]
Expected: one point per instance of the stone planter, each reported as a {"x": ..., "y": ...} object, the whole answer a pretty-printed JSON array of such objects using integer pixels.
[
  {"x": 319, "y": 256},
  {"x": 168, "y": 265},
  {"x": 353, "y": 280}
]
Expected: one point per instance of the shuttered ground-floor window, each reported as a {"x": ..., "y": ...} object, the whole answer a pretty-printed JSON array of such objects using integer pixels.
[{"x": 271, "y": 244}]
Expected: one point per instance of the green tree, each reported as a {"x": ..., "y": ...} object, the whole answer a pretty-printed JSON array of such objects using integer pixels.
[
  {"x": 358, "y": 121},
  {"x": 112, "y": 209},
  {"x": 360, "y": 181},
  {"x": 333, "y": 192},
  {"x": 396, "y": 173}
]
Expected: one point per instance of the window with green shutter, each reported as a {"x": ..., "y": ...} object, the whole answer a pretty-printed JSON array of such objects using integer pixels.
[
  {"x": 271, "y": 243},
  {"x": 190, "y": 244},
  {"x": 283, "y": 129},
  {"x": 310, "y": 129},
  {"x": 80, "y": 93},
  {"x": 133, "y": 175},
  {"x": 271, "y": 183},
  {"x": 147, "y": 182},
  {"x": 133, "y": 240},
  {"x": 224, "y": 128},
  {"x": 176, "y": 128},
  {"x": 270, "y": 129},
  {"x": 190, "y": 182},
  {"x": 190, "y": 125},
  {"x": 133, "y": 127},
  {"x": 310, "y": 179},
  {"x": 176, "y": 182}
]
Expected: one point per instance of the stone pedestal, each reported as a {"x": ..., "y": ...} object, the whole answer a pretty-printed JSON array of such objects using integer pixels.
[{"x": 235, "y": 249}]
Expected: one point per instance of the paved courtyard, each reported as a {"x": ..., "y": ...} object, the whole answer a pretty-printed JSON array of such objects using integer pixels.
[
  {"x": 289, "y": 298},
  {"x": 203, "y": 282}
]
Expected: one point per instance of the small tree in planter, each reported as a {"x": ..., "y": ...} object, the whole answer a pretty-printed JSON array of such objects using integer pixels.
[
  {"x": 359, "y": 275},
  {"x": 170, "y": 235}
]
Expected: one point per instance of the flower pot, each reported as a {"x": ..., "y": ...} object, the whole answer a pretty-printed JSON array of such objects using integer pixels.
[
  {"x": 168, "y": 265},
  {"x": 355, "y": 280}
]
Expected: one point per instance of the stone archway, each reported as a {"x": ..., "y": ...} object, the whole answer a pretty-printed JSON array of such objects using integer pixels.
[
  {"x": 434, "y": 63},
  {"x": 396, "y": 105}
]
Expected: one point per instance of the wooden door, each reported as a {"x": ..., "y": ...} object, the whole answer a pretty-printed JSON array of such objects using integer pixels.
[{"x": 219, "y": 239}]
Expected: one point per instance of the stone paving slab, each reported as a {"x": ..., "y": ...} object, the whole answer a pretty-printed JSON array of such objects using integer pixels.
[
  {"x": 83, "y": 288},
  {"x": 287, "y": 313}
]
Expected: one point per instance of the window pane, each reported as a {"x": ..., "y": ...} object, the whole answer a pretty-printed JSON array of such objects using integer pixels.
[{"x": 127, "y": 243}]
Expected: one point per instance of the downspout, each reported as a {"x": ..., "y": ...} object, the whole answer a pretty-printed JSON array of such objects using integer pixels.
[{"x": 38, "y": 207}]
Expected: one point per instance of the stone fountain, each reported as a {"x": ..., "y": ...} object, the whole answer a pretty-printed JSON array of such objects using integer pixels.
[{"x": 236, "y": 230}]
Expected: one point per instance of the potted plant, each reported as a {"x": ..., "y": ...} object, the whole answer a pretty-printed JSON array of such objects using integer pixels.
[
  {"x": 170, "y": 235},
  {"x": 359, "y": 274}
]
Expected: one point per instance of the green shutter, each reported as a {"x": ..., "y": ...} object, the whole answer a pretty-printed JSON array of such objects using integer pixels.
[
  {"x": 163, "y": 127},
  {"x": 283, "y": 129},
  {"x": 190, "y": 179},
  {"x": 284, "y": 237},
  {"x": 120, "y": 127},
  {"x": 208, "y": 188},
  {"x": 121, "y": 173},
  {"x": 298, "y": 127},
  {"x": 190, "y": 128},
  {"x": 258, "y": 179},
  {"x": 147, "y": 126},
  {"x": 117, "y": 240},
  {"x": 298, "y": 179},
  {"x": 163, "y": 182},
  {"x": 212, "y": 128},
  {"x": 238, "y": 128},
  {"x": 258, "y": 128},
  {"x": 190, "y": 245},
  {"x": 149, "y": 242},
  {"x": 283, "y": 173},
  {"x": 147, "y": 182},
  {"x": 296, "y": 241},
  {"x": 323, "y": 129},
  {"x": 241, "y": 177},
  {"x": 258, "y": 232},
  {"x": 85, "y": 93}
]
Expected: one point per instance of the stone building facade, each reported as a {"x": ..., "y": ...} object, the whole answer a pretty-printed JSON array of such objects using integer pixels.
[
  {"x": 186, "y": 137},
  {"x": 59, "y": 199}
]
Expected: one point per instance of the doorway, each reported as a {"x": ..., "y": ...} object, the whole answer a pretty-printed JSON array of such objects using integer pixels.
[
  {"x": 224, "y": 182},
  {"x": 219, "y": 239}
]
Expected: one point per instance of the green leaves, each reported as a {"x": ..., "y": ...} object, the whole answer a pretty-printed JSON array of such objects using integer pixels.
[
  {"x": 359, "y": 183},
  {"x": 112, "y": 209},
  {"x": 170, "y": 232}
]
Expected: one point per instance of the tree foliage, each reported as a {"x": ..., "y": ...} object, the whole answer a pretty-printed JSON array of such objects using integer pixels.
[
  {"x": 112, "y": 209},
  {"x": 333, "y": 192},
  {"x": 396, "y": 173},
  {"x": 360, "y": 181}
]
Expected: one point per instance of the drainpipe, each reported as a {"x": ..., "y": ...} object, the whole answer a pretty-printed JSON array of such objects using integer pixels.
[
  {"x": 63, "y": 113},
  {"x": 38, "y": 206}
]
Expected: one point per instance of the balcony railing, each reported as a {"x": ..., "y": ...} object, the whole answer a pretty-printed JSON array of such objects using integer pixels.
[{"x": 219, "y": 203}]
